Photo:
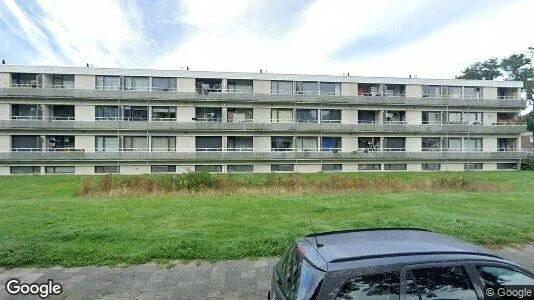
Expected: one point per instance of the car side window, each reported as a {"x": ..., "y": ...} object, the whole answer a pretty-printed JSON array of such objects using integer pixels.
[
  {"x": 439, "y": 283},
  {"x": 499, "y": 276},
  {"x": 371, "y": 286}
]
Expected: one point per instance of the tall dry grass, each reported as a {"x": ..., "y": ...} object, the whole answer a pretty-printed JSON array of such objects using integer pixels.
[{"x": 272, "y": 184}]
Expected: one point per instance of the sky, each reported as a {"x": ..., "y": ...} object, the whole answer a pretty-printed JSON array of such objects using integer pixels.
[{"x": 424, "y": 38}]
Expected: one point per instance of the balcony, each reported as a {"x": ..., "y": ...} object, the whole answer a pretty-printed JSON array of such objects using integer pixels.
[
  {"x": 114, "y": 125},
  {"x": 134, "y": 155},
  {"x": 216, "y": 95}
]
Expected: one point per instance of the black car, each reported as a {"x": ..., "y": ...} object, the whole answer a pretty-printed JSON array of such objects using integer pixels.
[{"x": 391, "y": 264}]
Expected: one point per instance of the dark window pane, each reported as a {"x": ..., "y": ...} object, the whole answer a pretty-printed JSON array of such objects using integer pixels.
[
  {"x": 440, "y": 283},
  {"x": 395, "y": 167},
  {"x": 59, "y": 170},
  {"x": 286, "y": 168},
  {"x": 331, "y": 167},
  {"x": 107, "y": 169},
  {"x": 431, "y": 167},
  {"x": 497, "y": 276},
  {"x": 506, "y": 166},
  {"x": 372, "y": 286},
  {"x": 162, "y": 169},
  {"x": 369, "y": 167},
  {"x": 240, "y": 168},
  {"x": 208, "y": 168},
  {"x": 208, "y": 143},
  {"x": 25, "y": 170}
]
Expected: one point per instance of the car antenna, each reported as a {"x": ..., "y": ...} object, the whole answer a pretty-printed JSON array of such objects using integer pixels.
[{"x": 319, "y": 245}]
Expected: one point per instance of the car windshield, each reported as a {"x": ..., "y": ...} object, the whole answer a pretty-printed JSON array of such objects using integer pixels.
[{"x": 299, "y": 279}]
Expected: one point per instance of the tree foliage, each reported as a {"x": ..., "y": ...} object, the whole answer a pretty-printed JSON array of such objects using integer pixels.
[{"x": 514, "y": 67}]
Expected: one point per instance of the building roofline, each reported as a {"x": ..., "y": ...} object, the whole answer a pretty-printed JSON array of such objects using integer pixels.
[{"x": 253, "y": 76}]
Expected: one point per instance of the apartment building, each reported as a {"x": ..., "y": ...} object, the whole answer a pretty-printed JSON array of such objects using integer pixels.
[{"x": 57, "y": 120}]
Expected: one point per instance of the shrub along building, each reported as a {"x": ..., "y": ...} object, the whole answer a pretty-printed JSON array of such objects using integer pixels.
[{"x": 96, "y": 120}]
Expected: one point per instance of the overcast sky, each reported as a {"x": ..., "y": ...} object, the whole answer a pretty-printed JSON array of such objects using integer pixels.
[{"x": 427, "y": 38}]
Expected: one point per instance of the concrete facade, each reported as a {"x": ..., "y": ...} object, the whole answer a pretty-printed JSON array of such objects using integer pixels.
[{"x": 136, "y": 136}]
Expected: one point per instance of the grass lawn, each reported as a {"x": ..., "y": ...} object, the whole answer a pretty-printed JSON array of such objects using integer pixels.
[{"x": 43, "y": 223}]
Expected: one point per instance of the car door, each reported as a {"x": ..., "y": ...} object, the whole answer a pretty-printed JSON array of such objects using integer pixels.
[
  {"x": 439, "y": 281},
  {"x": 495, "y": 277}
]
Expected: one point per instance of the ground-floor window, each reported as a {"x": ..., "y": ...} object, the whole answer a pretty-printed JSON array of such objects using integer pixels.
[
  {"x": 208, "y": 168},
  {"x": 106, "y": 169},
  {"x": 506, "y": 166},
  {"x": 283, "y": 168},
  {"x": 369, "y": 167},
  {"x": 25, "y": 170},
  {"x": 59, "y": 170},
  {"x": 331, "y": 167},
  {"x": 430, "y": 167},
  {"x": 162, "y": 169},
  {"x": 473, "y": 166},
  {"x": 240, "y": 168},
  {"x": 395, "y": 167}
]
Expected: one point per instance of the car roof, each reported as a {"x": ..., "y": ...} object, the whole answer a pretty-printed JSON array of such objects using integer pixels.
[{"x": 350, "y": 245}]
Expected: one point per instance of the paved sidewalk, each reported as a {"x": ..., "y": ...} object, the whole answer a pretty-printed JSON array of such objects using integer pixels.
[{"x": 238, "y": 279}]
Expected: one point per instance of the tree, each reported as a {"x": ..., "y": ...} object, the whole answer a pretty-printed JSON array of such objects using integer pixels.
[
  {"x": 529, "y": 120},
  {"x": 487, "y": 70},
  {"x": 517, "y": 67}
]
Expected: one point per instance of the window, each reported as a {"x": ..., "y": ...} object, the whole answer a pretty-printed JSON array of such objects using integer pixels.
[
  {"x": 26, "y": 143},
  {"x": 507, "y": 144},
  {"x": 208, "y": 143},
  {"x": 499, "y": 276},
  {"x": 163, "y": 113},
  {"x": 306, "y": 87},
  {"x": 394, "y": 144},
  {"x": 330, "y": 88},
  {"x": 239, "y": 115},
  {"x": 62, "y": 112},
  {"x": 452, "y": 91},
  {"x": 366, "y": 116},
  {"x": 369, "y": 167},
  {"x": 163, "y": 169},
  {"x": 281, "y": 143},
  {"x": 472, "y": 118},
  {"x": 506, "y": 166},
  {"x": 439, "y": 283},
  {"x": 395, "y": 167},
  {"x": 135, "y": 143},
  {"x": 306, "y": 143},
  {"x": 394, "y": 117},
  {"x": 281, "y": 115},
  {"x": 105, "y": 112},
  {"x": 331, "y": 144},
  {"x": 62, "y": 81},
  {"x": 28, "y": 80},
  {"x": 60, "y": 142},
  {"x": 59, "y": 170},
  {"x": 370, "y": 89},
  {"x": 163, "y": 83},
  {"x": 108, "y": 82},
  {"x": 432, "y": 91},
  {"x": 107, "y": 143},
  {"x": 136, "y": 83},
  {"x": 454, "y": 118},
  {"x": 452, "y": 144},
  {"x": 505, "y": 93},
  {"x": 371, "y": 286},
  {"x": 473, "y": 166},
  {"x": 239, "y": 143},
  {"x": 331, "y": 167},
  {"x": 135, "y": 113},
  {"x": 106, "y": 169},
  {"x": 298, "y": 279},
  {"x": 208, "y": 168},
  {"x": 239, "y": 86},
  {"x": 281, "y": 87},
  {"x": 431, "y": 117},
  {"x": 506, "y": 118},
  {"x": 430, "y": 144},
  {"x": 369, "y": 143},
  {"x": 26, "y": 112},
  {"x": 394, "y": 90},
  {"x": 25, "y": 170},
  {"x": 473, "y": 144},
  {"x": 163, "y": 143},
  {"x": 330, "y": 116},
  {"x": 282, "y": 168},
  {"x": 306, "y": 116},
  {"x": 208, "y": 114},
  {"x": 239, "y": 168},
  {"x": 207, "y": 85},
  {"x": 472, "y": 92},
  {"x": 431, "y": 167}
]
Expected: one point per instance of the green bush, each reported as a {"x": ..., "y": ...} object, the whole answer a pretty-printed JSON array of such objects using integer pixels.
[{"x": 528, "y": 163}]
